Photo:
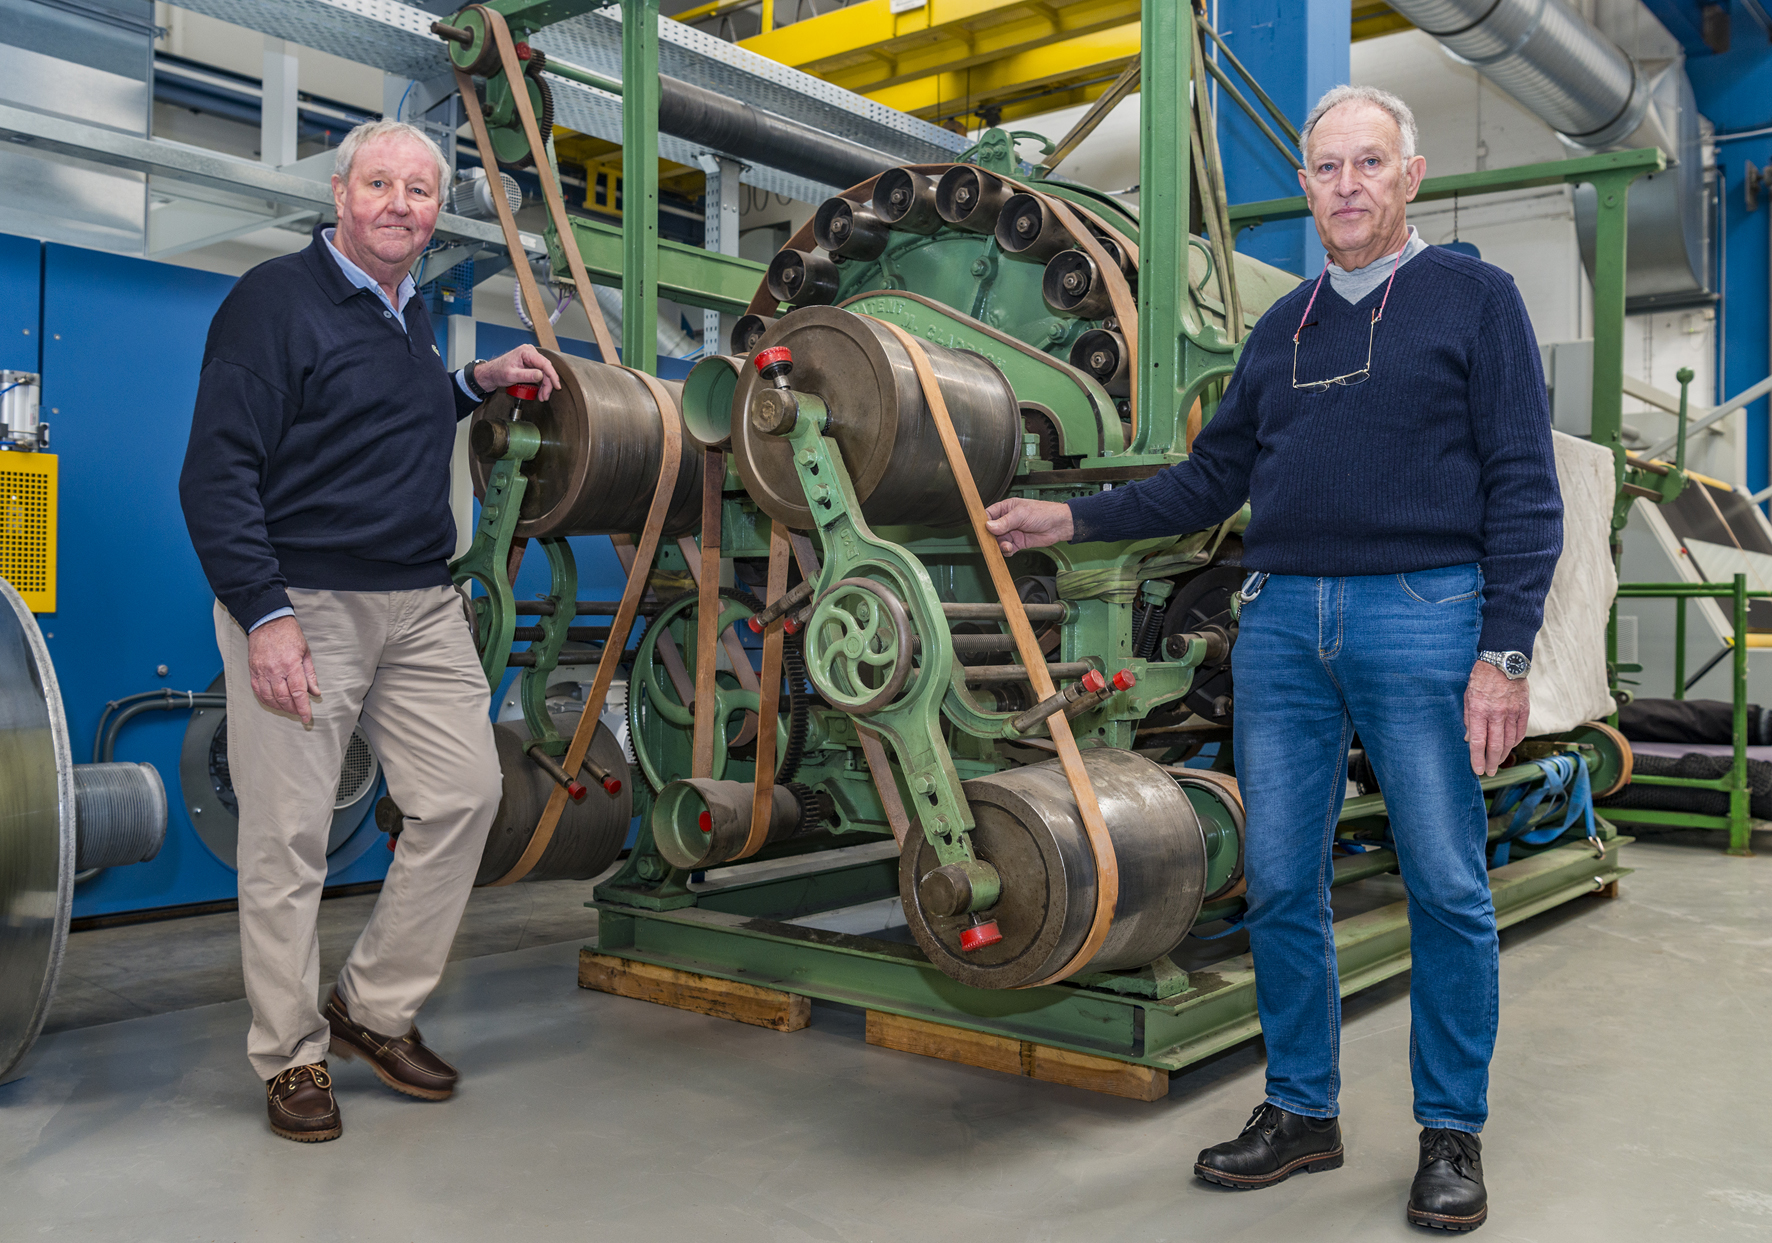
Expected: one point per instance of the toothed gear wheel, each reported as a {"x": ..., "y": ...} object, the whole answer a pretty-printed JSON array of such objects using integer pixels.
[
  {"x": 807, "y": 797},
  {"x": 544, "y": 116}
]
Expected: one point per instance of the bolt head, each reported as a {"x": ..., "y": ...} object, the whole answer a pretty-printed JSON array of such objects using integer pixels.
[{"x": 980, "y": 266}]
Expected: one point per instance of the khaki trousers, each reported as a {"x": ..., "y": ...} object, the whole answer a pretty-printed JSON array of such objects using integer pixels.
[{"x": 404, "y": 662}]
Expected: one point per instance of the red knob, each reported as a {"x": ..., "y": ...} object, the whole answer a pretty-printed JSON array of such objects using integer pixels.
[
  {"x": 523, "y": 51},
  {"x": 1093, "y": 682},
  {"x": 790, "y": 625},
  {"x": 705, "y": 822},
  {"x": 1124, "y": 680},
  {"x": 524, "y": 392},
  {"x": 980, "y": 935},
  {"x": 611, "y": 786},
  {"x": 576, "y": 792},
  {"x": 772, "y": 356},
  {"x": 755, "y": 625},
  {"x": 392, "y": 842}
]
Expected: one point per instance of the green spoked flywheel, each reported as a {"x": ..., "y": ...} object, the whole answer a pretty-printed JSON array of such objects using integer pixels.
[{"x": 661, "y": 724}]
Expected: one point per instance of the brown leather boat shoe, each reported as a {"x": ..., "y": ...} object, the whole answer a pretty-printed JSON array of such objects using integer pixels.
[
  {"x": 401, "y": 1062},
  {"x": 301, "y": 1105}
]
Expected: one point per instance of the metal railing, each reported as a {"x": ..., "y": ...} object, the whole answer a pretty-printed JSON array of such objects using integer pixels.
[{"x": 1734, "y": 784}]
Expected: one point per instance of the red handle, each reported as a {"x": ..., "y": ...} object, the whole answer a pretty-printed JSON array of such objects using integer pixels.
[
  {"x": 768, "y": 358},
  {"x": 524, "y": 392},
  {"x": 611, "y": 786},
  {"x": 576, "y": 792},
  {"x": 1124, "y": 680},
  {"x": 1093, "y": 682},
  {"x": 705, "y": 822},
  {"x": 980, "y": 935}
]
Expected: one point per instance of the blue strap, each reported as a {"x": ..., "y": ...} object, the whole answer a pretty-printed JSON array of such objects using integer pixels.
[{"x": 1565, "y": 788}]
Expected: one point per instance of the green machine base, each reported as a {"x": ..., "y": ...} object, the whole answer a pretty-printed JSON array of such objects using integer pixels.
[{"x": 746, "y": 931}]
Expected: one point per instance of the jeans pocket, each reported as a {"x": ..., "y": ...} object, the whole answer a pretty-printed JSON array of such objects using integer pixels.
[{"x": 1447, "y": 585}]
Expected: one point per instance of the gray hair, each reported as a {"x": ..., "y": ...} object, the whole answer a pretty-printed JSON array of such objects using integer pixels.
[
  {"x": 369, "y": 131},
  {"x": 1335, "y": 96}
]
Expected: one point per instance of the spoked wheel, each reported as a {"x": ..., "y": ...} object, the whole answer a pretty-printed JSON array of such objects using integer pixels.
[{"x": 661, "y": 715}]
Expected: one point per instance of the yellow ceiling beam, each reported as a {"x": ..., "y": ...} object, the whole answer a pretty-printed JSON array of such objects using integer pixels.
[
  {"x": 1372, "y": 18},
  {"x": 866, "y": 48},
  {"x": 1074, "y": 61}
]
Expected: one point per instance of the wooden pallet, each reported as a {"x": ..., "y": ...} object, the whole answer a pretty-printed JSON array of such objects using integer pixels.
[
  {"x": 789, "y": 1012},
  {"x": 703, "y": 994},
  {"x": 1017, "y": 1057}
]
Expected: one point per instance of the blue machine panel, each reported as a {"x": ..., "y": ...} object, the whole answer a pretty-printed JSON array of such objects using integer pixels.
[{"x": 21, "y": 302}]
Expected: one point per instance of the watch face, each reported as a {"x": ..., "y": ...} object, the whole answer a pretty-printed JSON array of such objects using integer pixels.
[{"x": 1515, "y": 664}]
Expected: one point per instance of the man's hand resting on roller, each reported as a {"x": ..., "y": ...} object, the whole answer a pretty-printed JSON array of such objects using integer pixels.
[{"x": 1020, "y": 524}]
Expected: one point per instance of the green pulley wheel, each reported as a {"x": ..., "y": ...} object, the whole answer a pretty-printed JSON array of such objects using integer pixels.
[
  {"x": 858, "y": 645},
  {"x": 661, "y": 726}
]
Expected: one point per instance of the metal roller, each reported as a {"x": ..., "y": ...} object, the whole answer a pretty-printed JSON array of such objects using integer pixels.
[
  {"x": 1103, "y": 354},
  {"x": 1028, "y": 228},
  {"x": 853, "y": 230},
  {"x": 1029, "y": 830},
  {"x": 747, "y": 332},
  {"x": 119, "y": 814},
  {"x": 970, "y": 198},
  {"x": 1074, "y": 286},
  {"x": 707, "y": 400},
  {"x": 905, "y": 200},
  {"x": 700, "y": 823},
  {"x": 889, "y": 442},
  {"x": 802, "y": 278},
  {"x": 601, "y": 445},
  {"x": 591, "y": 831}
]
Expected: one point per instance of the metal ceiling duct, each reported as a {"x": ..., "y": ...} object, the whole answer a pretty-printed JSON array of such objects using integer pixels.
[{"x": 1570, "y": 75}]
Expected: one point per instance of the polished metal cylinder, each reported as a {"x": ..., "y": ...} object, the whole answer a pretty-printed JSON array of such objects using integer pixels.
[
  {"x": 970, "y": 198},
  {"x": 602, "y": 441},
  {"x": 853, "y": 230},
  {"x": 802, "y": 278},
  {"x": 590, "y": 833},
  {"x": 887, "y": 435},
  {"x": 1027, "y": 227},
  {"x": 905, "y": 200},
  {"x": 1028, "y": 828},
  {"x": 1103, "y": 354},
  {"x": 119, "y": 814}
]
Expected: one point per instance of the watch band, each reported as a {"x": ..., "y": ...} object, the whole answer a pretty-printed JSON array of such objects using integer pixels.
[
  {"x": 473, "y": 383},
  {"x": 1513, "y": 665}
]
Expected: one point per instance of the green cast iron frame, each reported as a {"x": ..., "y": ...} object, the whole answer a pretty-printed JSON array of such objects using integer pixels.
[{"x": 1161, "y": 1015}]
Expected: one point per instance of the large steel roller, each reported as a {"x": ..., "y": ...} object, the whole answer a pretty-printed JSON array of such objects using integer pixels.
[
  {"x": 601, "y": 444},
  {"x": 878, "y": 418},
  {"x": 1029, "y": 830},
  {"x": 591, "y": 831}
]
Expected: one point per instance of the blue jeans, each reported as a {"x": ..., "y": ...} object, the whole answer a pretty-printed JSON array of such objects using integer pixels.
[{"x": 1387, "y": 656}]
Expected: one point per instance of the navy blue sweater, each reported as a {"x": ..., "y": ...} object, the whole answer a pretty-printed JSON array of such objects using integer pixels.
[
  {"x": 1442, "y": 457},
  {"x": 319, "y": 451}
]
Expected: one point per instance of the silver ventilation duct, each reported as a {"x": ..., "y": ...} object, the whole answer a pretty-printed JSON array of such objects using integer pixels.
[{"x": 1570, "y": 75}]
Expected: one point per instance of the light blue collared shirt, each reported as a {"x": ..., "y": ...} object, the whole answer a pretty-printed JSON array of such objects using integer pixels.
[{"x": 395, "y": 309}]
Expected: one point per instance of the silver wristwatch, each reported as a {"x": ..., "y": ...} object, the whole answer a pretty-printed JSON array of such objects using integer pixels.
[{"x": 1515, "y": 665}]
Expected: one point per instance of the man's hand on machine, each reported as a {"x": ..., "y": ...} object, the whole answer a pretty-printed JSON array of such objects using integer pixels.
[
  {"x": 282, "y": 668},
  {"x": 1020, "y": 524},
  {"x": 1495, "y": 712},
  {"x": 523, "y": 365}
]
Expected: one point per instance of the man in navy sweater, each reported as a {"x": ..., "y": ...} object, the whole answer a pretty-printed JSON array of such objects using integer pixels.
[
  {"x": 316, "y": 492},
  {"x": 1389, "y": 426}
]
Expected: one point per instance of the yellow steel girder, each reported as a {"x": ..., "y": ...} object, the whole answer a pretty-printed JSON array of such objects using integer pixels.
[{"x": 867, "y": 48}]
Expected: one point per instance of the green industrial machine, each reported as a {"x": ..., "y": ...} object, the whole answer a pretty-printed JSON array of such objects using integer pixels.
[{"x": 976, "y": 806}]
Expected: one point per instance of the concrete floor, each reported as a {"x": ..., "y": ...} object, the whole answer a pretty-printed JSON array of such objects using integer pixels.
[{"x": 1631, "y": 1098}]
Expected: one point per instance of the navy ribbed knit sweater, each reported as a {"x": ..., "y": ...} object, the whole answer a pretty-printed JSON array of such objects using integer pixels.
[
  {"x": 1442, "y": 457},
  {"x": 320, "y": 444}
]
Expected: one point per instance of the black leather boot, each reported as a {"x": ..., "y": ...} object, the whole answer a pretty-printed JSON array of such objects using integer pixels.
[
  {"x": 1274, "y": 1145},
  {"x": 1448, "y": 1192}
]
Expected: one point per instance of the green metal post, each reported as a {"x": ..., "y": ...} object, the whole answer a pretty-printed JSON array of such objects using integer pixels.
[
  {"x": 1163, "y": 196},
  {"x": 639, "y": 175},
  {"x": 1680, "y": 648},
  {"x": 1611, "y": 190},
  {"x": 1738, "y": 825},
  {"x": 1684, "y": 376}
]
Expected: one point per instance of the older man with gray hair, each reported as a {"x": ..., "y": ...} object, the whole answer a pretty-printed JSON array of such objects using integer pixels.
[
  {"x": 316, "y": 492},
  {"x": 1388, "y": 424}
]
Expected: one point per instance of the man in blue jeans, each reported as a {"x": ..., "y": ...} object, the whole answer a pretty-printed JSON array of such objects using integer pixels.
[{"x": 1388, "y": 424}]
